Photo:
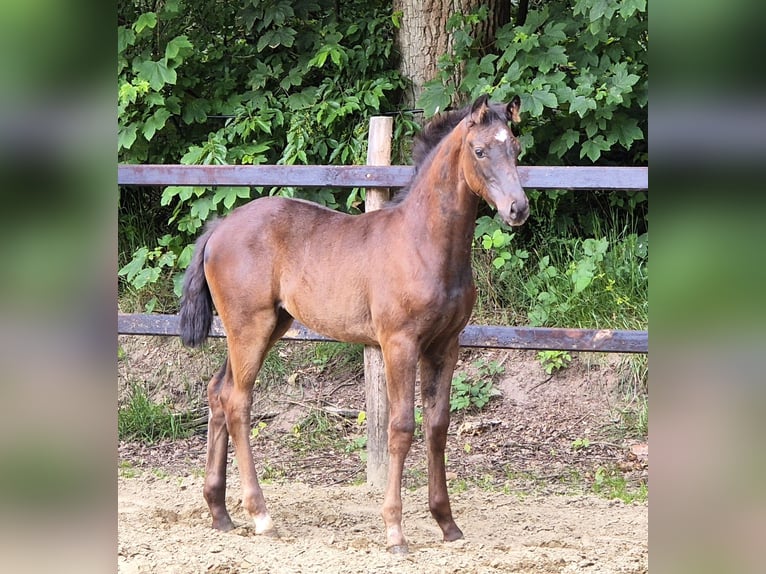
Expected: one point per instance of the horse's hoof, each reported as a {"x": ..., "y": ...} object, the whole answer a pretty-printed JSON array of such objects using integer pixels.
[
  {"x": 270, "y": 533},
  {"x": 223, "y": 525},
  {"x": 452, "y": 535},
  {"x": 398, "y": 549}
]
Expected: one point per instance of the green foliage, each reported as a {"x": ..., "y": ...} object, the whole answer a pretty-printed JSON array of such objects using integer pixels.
[
  {"x": 554, "y": 360},
  {"x": 474, "y": 392},
  {"x": 581, "y": 71},
  {"x": 580, "y": 443},
  {"x": 127, "y": 470},
  {"x": 266, "y": 81},
  {"x": 255, "y": 432},
  {"x": 610, "y": 482},
  {"x": 599, "y": 281},
  {"x": 146, "y": 421}
]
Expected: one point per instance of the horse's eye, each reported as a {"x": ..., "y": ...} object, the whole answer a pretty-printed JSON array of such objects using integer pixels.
[{"x": 479, "y": 152}]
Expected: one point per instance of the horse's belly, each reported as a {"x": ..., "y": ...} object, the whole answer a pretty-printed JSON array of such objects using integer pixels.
[{"x": 340, "y": 320}]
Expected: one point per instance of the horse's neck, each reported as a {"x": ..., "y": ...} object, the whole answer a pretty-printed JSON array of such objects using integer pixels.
[{"x": 441, "y": 206}]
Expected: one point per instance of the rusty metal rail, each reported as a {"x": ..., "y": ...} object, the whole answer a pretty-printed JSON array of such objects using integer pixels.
[
  {"x": 482, "y": 336},
  {"x": 554, "y": 177}
]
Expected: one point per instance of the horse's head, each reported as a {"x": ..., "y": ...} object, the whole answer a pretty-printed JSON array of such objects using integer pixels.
[{"x": 488, "y": 159}]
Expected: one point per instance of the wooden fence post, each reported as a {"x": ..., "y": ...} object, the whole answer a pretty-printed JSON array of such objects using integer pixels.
[{"x": 378, "y": 153}]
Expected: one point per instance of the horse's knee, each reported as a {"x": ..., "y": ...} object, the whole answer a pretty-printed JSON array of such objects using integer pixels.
[
  {"x": 214, "y": 490},
  {"x": 400, "y": 432},
  {"x": 403, "y": 426},
  {"x": 436, "y": 425},
  {"x": 438, "y": 504}
]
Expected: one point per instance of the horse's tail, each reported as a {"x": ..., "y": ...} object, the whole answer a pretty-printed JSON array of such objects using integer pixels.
[{"x": 196, "y": 313}]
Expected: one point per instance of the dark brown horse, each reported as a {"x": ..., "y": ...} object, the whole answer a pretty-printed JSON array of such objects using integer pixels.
[{"x": 399, "y": 278}]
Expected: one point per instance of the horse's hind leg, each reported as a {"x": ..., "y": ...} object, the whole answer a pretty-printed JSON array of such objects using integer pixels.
[
  {"x": 436, "y": 368},
  {"x": 217, "y": 445},
  {"x": 248, "y": 346}
]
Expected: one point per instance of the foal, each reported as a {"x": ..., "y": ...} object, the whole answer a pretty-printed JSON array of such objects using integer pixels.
[{"x": 399, "y": 278}]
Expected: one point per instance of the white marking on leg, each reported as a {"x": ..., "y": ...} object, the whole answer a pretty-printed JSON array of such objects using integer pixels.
[{"x": 263, "y": 523}]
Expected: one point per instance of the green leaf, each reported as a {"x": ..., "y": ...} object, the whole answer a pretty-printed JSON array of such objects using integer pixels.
[
  {"x": 125, "y": 37},
  {"x": 581, "y": 104},
  {"x": 622, "y": 80},
  {"x": 303, "y": 99},
  {"x": 293, "y": 78},
  {"x": 178, "y": 46},
  {"x": 126, "y": 136},
  {"x": 537, "y": 100},
  {"x": 593, "y": 148},
  {"x": 582, "y": 276},
  {"x": 595, "y": 248},
  {"x": 275, "y": 38},
  {"x": 434, "y": 98},
  {"x": 185, "y": 256},
  {"x": 597, "y": 10},
  {"x": 202, "y": 207},
  {"x": 166, "y": 259},
  {"x": 513, "y": 73},
  {"x": 156, "y": 73},
  {"x": 155, "y": 122},
  {"x": 135, "y": 265},
  {"x": 627, "y": 131},
  {"x": 171, "y": 6},
  {"x": 193, "y": 156},
  {"x": 630, "y": 7},
  {"x": 227, "y": 194},
  {"x": 145, "y": 20},
  {"x": 127, "y": 93},
  {"x": 169, "y": 193},
  {"x": 486, "y": 65},
  {"x": 564, "y": 142},
  {"x": 195, "y": 110},
  {"x": 146, "y": 276}
]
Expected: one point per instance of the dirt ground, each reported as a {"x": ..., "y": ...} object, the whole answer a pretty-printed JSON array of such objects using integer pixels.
[{"x": 522, "y": 474}]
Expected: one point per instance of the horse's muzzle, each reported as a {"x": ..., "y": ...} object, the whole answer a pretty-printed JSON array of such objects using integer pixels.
[{"x": 516, "y": 213}]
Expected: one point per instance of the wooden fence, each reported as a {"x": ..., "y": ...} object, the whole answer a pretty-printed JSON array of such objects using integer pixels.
[{"x": 539, "y": 338}]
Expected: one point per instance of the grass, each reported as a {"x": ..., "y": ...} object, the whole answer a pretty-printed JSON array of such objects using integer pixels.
[
  {"x": 337, "y": 355},
  {"x": 146, "y": 421},
  {"x": 316, "y": 431},
  {"x": 610, "y": 483},
  {"x": 632, "y": 419},
  {"x": 127, "y": 470}
]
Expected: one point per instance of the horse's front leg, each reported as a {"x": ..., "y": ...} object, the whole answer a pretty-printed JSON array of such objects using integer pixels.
[
  {"x": 436, "y": 368},
  {"x": 400, "y": 357}
]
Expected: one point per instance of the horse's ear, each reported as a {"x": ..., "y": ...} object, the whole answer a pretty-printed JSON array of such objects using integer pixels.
[
  {"x": 479, "y": 109},
  {"x": 513, "y": 109}
]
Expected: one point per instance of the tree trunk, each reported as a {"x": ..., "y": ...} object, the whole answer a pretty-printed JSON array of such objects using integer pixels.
[{"x": 423, "y": 37}]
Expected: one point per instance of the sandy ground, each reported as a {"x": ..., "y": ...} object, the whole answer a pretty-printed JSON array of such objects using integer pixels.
[
  {"x": 520, "y": 492},
  {"x": 164, "y": 526}
]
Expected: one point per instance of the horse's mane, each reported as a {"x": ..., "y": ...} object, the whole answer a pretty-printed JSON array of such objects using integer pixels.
[{"x": 427, "y": 140}]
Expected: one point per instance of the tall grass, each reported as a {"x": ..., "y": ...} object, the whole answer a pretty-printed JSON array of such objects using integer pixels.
[
  {"x": 595, "y": 281},
  {"x": 144, "y": 420}
]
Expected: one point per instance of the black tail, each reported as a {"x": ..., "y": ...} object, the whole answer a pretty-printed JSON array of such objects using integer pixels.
[{"x": 196, "y": 314}]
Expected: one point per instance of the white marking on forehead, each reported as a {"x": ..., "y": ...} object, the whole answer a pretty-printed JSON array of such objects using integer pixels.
[{"x": 501, "y": 135}]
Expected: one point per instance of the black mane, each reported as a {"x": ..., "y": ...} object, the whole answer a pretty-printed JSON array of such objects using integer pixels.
[{"x": 434, "y": 132}]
